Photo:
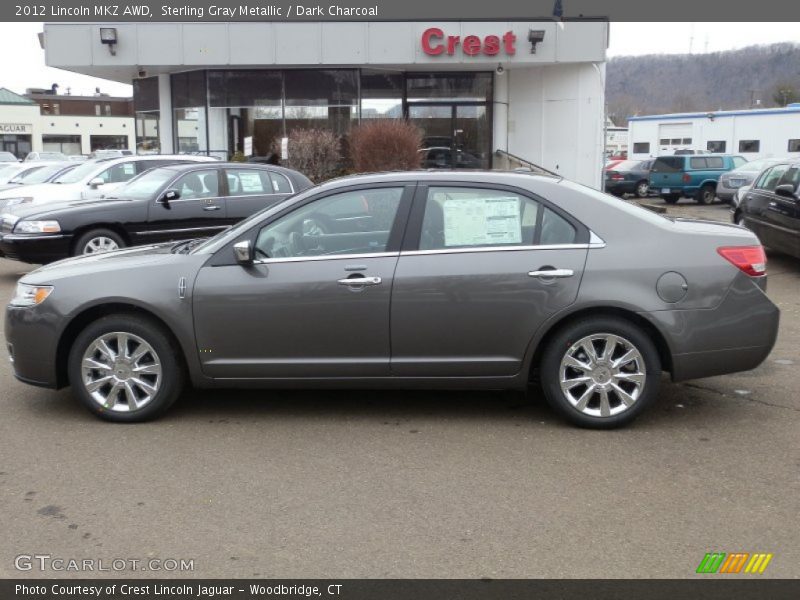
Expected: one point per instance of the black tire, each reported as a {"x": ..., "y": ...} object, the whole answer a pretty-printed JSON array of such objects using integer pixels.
[
  {"x": 167, "y": 355},
  {"x": 671, "y": 198},
  {"x": 78, "y": 248},
  {"x": 642, "y": 189},
  {"x": 706, "y": 195},
  {"x": 564, "y": 341}
]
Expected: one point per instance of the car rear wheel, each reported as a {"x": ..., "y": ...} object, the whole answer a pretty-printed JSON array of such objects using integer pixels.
[
  {"x": 671, "y": 198},
  {"x": 600, "y": 372},
  {"x": 125, "y": 368},
  {"x": 706, "y": 194},
  {"x": 98, "y": 241},
  {"x": 642, "y": 189}
]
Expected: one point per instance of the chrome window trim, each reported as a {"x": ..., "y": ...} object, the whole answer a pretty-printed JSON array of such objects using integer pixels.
[
  {"x": 159, "y": 231},
  {"x": 496, "y": 249},
  {"x": 267, "y": 261}
]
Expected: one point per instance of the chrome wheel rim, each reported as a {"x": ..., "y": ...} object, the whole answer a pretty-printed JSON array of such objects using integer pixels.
[
  {"x": 100, "y": 244},
  {"x": 602, "y": 375},
  {"x": 642, "y": 189},
  {"x": 121, "y": 371}
]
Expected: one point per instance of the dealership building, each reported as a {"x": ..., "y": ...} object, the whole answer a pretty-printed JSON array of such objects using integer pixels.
[{"x": 501, "y": 93}]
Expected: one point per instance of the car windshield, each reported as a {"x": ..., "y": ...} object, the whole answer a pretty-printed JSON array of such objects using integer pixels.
[
  {"x": 7, "y": 156},
  {"x": 755, "y": 166},
  {"x": 145, "y": 185},
  {"x": 39, "y": 175},
  {"x": 77, "y": 174}
]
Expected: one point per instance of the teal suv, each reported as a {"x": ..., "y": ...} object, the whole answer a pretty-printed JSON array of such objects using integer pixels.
[{"x": 690, "y": 176}]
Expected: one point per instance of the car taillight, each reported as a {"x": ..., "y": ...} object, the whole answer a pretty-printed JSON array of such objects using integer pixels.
[
  {"x": 750, "y": 259},
  {"x": 686, "y": 178},
  {"x": 616, "y": 176}
]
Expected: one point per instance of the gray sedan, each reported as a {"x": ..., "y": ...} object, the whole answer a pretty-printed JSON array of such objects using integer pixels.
[{"x": 423, "y": 279}]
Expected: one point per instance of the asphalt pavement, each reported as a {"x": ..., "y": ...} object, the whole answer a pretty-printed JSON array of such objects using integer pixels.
[{"x": 409, "y": 484}]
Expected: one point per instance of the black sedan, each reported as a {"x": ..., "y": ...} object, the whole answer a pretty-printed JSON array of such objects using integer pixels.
[
  {"x": 163, "y": 204},
  {"x": 771, "y": 208},
  {"x": 629, "y": 177}
]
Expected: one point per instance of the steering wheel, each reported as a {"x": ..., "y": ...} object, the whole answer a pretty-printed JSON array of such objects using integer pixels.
[{"x": 296, "y": 244}]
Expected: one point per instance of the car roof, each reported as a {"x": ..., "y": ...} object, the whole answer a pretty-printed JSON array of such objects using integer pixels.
[
  {"x": 229, "y": 165},
  {"x": 515, "y": 178}
]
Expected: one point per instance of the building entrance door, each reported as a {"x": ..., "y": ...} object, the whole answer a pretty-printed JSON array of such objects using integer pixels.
[{"x": 455, "y": 135}]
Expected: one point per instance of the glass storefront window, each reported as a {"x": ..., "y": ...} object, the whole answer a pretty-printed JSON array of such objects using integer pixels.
[
  {"x": 381, "y": 94},
  {"x": 190, "y": 130},
  {"x": 145, "y": 94},
  {"x": 68, "y": 144},
  {"x": 321, "y": 99},
  {"x": 463, "y": 87},
  {"x": 108, "y": 142},
  {"x": 147, "y": 125}
]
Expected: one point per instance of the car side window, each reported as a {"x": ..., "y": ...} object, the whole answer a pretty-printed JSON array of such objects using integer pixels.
[
  {"x": 715, "y": 162},
  {"x": 118, "y": 173},
  {"x": 769, "y": 180},
  {"x": 248, "y": 182},
  {"x": 556, "y": 229},
  {"x": 790, "y": 177},
  {"x": 698, "y": 163},
  {"x": 351, "y": 222},
  {"x": 280, "y": 184},
  {"x": 463, "y": 217},
  {"x": 198, "y": 184}
]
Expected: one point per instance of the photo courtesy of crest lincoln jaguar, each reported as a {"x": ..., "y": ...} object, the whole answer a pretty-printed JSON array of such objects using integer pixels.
[{"x": 452, "y": 280}]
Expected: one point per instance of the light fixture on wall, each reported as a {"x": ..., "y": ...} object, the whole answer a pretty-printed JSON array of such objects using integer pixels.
[
  {"x": 108, "y": 36},
  {"x": 535, "y": 36}
]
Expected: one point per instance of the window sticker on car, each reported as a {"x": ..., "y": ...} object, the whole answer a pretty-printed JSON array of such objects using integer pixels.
[
  {"x": 128, "y": 168},
  {"x": 482, "y": 221},
  {"x": 251, "y": 182}
]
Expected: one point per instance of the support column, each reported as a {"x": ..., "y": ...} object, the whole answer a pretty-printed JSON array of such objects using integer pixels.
[
  {"x": 500, "y": 111},
  {"x": 165, "y": 133}
]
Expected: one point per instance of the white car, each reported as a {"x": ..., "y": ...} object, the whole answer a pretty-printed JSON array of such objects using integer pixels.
[
  {"x": 92, "y": 179},
  {"x": 9, "y": 171},
  {"x": 48, "y": 156}
]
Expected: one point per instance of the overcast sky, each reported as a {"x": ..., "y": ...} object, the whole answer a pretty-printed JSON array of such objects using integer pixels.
[{"x": 23, "y": 59}]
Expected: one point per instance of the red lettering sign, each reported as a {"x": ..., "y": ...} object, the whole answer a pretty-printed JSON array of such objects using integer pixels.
[{"x": 435, "y": 42}]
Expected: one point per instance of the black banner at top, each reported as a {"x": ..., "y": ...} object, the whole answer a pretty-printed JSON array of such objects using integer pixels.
[{"x": 391, "y": 10}]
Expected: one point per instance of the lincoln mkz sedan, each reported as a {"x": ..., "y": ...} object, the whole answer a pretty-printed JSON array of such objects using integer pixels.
[{"x": 424, "y": 279}]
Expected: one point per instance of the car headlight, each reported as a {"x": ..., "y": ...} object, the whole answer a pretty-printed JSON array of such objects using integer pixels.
[
  {"x": 37, "y": 227},
  {"x": 20, "y": 200},
  {"x": 30, "y": 295}
]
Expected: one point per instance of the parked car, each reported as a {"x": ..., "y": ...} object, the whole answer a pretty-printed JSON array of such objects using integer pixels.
[
  {"x": 690, "y": 176},
  {"x": 9, "y": 171},
  {"x": 92, "y": 179},
  {"x": 629, "y": 177},
  {"x": 732, "y": 180},
  {"x": 79, "y": 157},
  {"x": 183, "y": 201},
  {"x": 771, "y": 207},
  {"x": 110, "y": 153},
  {"x": 442, "y": 158},
  {"x": 42, "y": 172},
  {"x": 48, "y": 156},
  {"x": 8, "y": 157},
  {"x": 470, "y": 279}
]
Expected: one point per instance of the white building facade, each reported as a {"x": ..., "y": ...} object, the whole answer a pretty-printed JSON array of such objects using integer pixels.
[
  {"x": 757, "y": 133},
  {"x": 23, "y": 129},
  {"x": 534, "y": 90}
]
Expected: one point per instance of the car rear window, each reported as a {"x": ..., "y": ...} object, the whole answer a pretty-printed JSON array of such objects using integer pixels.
[{"x": 668, "y": 164}]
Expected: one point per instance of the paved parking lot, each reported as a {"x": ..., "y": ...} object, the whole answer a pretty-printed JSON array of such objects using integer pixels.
[{"x": 413, "y": 484}]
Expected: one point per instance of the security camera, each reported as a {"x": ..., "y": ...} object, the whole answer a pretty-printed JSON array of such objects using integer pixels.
[
  {"x": 142, "y": 73},
  {"x": 500, "y": 69}
]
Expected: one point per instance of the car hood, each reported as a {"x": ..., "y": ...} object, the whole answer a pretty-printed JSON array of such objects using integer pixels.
[
  {"x": 140, "y": 258},
  {"x": 28, "y": 210},
  {"x": 37, "y": 190}
]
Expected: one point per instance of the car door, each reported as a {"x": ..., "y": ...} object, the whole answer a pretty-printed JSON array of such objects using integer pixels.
[
  {"x": 199, "y": 211},
  {"x": 783, "y": 214},
  {"x": 762, "y": 207},
  {"x": 315, "y": 302},
  {"x": 482, "y": 269},
  {"x": 249, "y": 190}
]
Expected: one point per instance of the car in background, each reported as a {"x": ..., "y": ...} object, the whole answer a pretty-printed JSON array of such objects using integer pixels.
[
  {"x": 41, "y": 173},
  {"x": 629, "y": 177},
  {"x": 691, "y": 176},
  {"x": 9, "y": 171},
  {"x": 93, "y": 179},
  {"x": 8, "y": 157},
  {"x": 742, "y": 176},
  {"x": 169, "y": 203},
  {"x": 49, "y": 156},
  {"x": 770, "y": 208},
  {"x": 78, "y": 157},
  {"x": 110, "y": 153},
  {"x": 405, "y": 280},
  {"x": 441, "y": 157}
]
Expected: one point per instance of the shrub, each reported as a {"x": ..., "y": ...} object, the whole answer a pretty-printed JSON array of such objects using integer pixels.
[
  {"x": 385, "y": 145},
  {"x": 313, "y": 152}
]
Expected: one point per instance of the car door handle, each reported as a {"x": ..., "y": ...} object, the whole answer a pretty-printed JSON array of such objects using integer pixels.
[
  {"x": 359, "y": 281},
  {"x": 552, "y": 273},
  {"x": 212, "y": 207}
]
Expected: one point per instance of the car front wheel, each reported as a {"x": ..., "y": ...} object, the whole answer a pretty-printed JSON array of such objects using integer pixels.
[
  {"x": 98, "y": 241},
  {"x": 600, "y": 372},
  {"x": 125, "y": 368}
]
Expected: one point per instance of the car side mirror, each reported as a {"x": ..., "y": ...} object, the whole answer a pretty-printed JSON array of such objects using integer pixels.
[
  {"x": 96, "y": 183},
  {"x": 243, "y": 252},
  {"x": 168, "y": 197},
  {"x": 786, "y": 190}
]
